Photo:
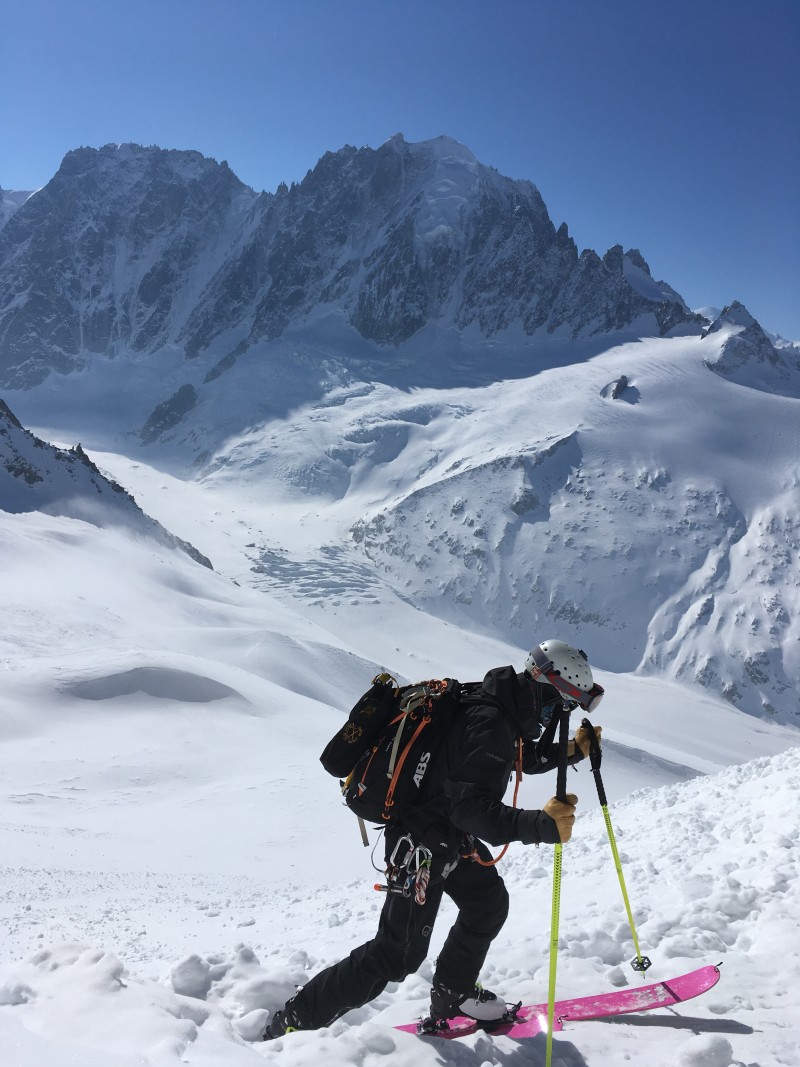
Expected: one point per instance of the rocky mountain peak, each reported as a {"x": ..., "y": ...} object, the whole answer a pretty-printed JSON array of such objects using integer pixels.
[
  {"x": 749, "y": 357},
  {"x": 634, "y": 256},
  {"x": 101, "y": 260},
  {"x": 735, "y": 314},
  {"x": 142, "y": 250},
  {"x": 613, "y": 259}
]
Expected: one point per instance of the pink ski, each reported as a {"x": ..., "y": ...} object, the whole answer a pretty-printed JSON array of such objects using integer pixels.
[{"x": 532, "y": 1020}]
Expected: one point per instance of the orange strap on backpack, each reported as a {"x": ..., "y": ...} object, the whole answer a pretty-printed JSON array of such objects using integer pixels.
[{"x": 389, "y": 802}]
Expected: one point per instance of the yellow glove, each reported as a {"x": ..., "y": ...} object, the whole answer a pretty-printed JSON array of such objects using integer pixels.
[
  {"x": 562, "y": 812},
  {"x": 581, "y": 741}
]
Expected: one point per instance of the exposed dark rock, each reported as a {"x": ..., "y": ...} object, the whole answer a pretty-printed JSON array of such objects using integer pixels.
[
  {"x": 139, "y": 250},
  {"x": 169, "y": 413},
  {"x": 620, "y": 386}
]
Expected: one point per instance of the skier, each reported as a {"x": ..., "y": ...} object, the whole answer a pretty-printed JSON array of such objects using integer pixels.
[{"x": 512, "y": 717}]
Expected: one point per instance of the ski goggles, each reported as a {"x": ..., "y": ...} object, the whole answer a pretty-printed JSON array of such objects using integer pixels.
[{"x": 543, "y": 667}]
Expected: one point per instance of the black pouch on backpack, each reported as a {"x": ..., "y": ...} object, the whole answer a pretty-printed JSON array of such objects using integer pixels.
[
  {"x": 390, "y": 776},
  {"x": 370, "y": 715}
]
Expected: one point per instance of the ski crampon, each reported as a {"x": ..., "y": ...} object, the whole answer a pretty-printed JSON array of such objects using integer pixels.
[{"x": 532, "y": 1019}]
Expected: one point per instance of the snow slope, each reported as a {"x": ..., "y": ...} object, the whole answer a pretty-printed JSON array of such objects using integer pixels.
[
  {"x": 654, "y": 524},
  {"x": 36, "y": 476},
  {"x": 174, "y": 860},
  {"x": 404, "y": 357},
  {"x": 711, "y": 866}
]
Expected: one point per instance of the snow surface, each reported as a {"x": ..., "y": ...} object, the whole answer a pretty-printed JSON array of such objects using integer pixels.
[
  {"x": 659, "y": 530},
  {"x": 174, "y": 860}
]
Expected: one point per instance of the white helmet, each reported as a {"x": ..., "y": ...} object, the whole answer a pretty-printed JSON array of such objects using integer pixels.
[{"x": 567, "y": 669}]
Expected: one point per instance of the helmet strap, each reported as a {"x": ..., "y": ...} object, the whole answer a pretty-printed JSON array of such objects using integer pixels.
[
  {"x": 536, "y": 696},
  {"x": 548, "y": 734}
]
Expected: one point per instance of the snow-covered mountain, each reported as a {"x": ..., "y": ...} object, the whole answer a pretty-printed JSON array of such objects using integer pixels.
[
  {"x": 415, "y": 431},
  {"x": 140, "y": 250},
  {"x": 108, "y": 254},
  {"x": 751, "y": 357},
  {"x": 36, "y": 476},
  {"x": 402, "y": 352},
  {"x": 640, "y": 502}
]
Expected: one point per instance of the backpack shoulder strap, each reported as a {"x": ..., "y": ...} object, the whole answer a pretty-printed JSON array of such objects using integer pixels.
[{"x": 470, "y": 689}]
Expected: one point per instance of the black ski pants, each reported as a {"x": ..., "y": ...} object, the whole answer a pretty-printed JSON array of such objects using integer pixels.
[{"x": 401, "y": 943}]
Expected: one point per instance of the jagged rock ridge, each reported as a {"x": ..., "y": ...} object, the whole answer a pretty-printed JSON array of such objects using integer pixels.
[
  {"x": 750, "y": 358},
  {"x": 10, "y": 202},
  {"x": 36, "y": 476},
  {"x": 138, "y": 250},
  {"x": 105, "y": 256}
]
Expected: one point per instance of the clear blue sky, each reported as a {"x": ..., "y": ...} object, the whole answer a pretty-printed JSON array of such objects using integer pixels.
[{"x": 668, "y": 126}]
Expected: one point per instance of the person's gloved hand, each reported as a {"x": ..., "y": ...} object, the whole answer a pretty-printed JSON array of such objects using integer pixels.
[
  {"x": 581, "y": 741},
  {"x": 549, "y": 826},
  {"x": 562, "y": 813}
]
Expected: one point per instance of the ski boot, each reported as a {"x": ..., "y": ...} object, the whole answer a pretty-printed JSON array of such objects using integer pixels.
[
  {"x": 284, "y": 1021},
  {"x": 480, "y": 1004}
]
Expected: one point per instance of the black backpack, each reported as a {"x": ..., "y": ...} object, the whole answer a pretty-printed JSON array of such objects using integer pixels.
[{"x": 384, "y": 750}]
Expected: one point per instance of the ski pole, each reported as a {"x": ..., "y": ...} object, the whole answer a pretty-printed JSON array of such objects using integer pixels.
[
  {"x": 561, "y": 794},
  {"x": 641, "y": 963}
]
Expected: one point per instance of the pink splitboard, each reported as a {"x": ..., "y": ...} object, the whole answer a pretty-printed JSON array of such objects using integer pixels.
[{"x": 532, "y": 1020}]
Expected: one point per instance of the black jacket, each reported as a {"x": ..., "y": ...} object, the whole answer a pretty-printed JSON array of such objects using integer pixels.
[{"x": 470, "y": 772}]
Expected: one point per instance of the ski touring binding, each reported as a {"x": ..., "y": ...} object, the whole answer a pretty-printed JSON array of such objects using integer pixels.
[{"x": 430, "y": 1025}]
